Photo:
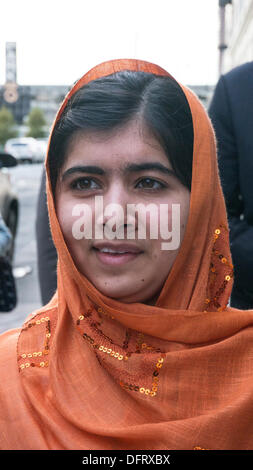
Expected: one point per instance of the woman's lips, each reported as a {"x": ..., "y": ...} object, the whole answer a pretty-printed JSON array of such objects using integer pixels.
[{"x": 115, "y": 256}]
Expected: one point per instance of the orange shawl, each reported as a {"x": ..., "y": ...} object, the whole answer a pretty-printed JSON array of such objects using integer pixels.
[{"x": 89, "y": 372}]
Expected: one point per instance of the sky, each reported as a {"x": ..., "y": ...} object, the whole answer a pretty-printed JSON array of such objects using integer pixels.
[{"x": 58, "y": 40}]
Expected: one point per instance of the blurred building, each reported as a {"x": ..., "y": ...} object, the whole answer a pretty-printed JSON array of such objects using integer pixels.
[
  {"x": 203, "y": 92},
  {"x": 47, "y": 98},
  {"x": 21, "y": 99},
  {"x": 238, "y": 33}
]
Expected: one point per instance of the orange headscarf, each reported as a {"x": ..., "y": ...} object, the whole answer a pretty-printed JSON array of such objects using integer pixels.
[{"x": 89, "y": 372}]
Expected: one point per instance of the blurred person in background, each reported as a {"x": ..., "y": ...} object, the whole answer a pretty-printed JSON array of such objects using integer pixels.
[
  {"x": 46, "y": 252},
  {"x": 8, "y": 298},
  {"x": 231, "y": 112}
]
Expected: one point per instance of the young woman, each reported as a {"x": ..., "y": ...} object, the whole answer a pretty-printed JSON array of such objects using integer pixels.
[{"x": 138, "y": 348}]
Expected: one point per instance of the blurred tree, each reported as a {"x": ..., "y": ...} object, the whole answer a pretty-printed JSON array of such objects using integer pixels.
[
  {"x": 7, "y": 125},
  {"x": 36, "y": 122}
]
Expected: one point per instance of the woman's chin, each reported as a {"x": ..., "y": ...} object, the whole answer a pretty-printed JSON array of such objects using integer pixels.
[
  {"x": 119, "y": 294},
  {"x": 124, "y": 293}
]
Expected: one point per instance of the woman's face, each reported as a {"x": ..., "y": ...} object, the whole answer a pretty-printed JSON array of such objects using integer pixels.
[{"x": 124, "y": 167}]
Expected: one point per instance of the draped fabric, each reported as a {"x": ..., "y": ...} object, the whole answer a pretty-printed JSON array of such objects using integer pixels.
[{"x": 89, "y": 372}]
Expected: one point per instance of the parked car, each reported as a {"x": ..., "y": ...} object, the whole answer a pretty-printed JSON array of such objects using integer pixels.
[
  {"x": 24, "y": 149},
  {"x": 9, "y": 205}
]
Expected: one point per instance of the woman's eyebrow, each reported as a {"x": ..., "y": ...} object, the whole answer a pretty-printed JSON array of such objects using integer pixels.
[
  {"x": 83, "y": 169},
  {"x": 136, "y": 167},
  {"x": 131, "y": 168}
]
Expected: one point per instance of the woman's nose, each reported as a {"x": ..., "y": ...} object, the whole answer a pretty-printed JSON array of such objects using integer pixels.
[
  {"x": 116, "y": 194},
  {"x": 116, "y": 216}
]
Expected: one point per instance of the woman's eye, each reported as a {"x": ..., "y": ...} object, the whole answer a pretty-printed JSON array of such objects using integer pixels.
[
  {"x": 84, "y": 184},
  {"x": 150, "y": 183}
]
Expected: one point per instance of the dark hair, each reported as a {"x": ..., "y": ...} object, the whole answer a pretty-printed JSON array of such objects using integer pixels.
[{"x": 111, "y": 102}]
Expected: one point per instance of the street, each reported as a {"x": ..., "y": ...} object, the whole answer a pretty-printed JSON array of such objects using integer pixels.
[{"x": 26, "y": 182}]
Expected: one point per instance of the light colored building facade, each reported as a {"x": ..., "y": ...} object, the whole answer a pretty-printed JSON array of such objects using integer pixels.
[
  {"x": 21, "y": 99},
  {"x": 239, "y": 34}
]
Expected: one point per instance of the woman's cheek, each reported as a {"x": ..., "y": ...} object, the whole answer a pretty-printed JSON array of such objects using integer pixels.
[{"x": 65, "y": 217}]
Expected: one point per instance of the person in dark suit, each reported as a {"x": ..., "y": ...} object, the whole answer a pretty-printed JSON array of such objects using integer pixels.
[
  {"x": 46, "y": 252},
  {"x": 231, "y": 112}
]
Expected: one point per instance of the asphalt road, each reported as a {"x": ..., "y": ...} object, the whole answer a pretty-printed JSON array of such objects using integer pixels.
[{"x": 26, "y": 181}]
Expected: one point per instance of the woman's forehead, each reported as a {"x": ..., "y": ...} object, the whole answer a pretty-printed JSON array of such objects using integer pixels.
[{"x": 123, "y": 147}]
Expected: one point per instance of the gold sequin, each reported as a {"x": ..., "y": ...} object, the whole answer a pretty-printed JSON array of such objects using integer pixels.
[
  {"x": 199, "y": 448},
  {"x": 35, "y": 354},
  {"x": 131, "y": 387},
  {"x": 100, "y": 310},
  {"x": 109, "y": 351},
  {"x": 38, "y": 322},
  {"x": 143, "y": 390},
  {"x": 158, "y": 365},
  {"x": 152, "y": 391},
  {"x": 214, "y": 300}
]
